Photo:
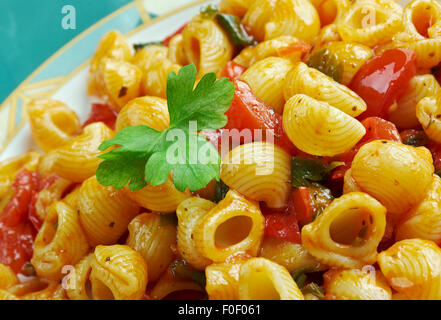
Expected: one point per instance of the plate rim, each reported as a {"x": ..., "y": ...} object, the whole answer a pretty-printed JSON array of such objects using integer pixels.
[{"x": 147, "y": 21}]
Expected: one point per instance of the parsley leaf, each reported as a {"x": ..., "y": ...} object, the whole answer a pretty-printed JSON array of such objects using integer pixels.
[
  {"x": 305, "y": 170},
  {"x": 327, "y": 63},
  {"x": 144, "y": 155}
]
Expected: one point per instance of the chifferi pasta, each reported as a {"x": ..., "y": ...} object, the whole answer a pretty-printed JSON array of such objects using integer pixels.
[{"x": 265, "y": 150}]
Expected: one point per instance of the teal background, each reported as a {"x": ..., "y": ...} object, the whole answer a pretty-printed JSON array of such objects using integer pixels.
[{"x": 30, "y": 32}]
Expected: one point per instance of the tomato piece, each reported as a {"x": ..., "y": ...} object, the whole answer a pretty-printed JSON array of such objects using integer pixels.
[
  {"x": 233, "y": 70},
  {"x": 249, "y": 112},
  {"x": 16, "y": 232},
  {"x": 382, "y": 80},
  {"x": 43, "y": 183},
  {"x": 102, "y": 113},
  {"x": 301, "y": 204},
  {"x": 16, "y": 210},
  {"x": 301, "y": 46},
  {"x": 282, "y": 225},
  {"x": 376, "y": 129},
  {"x": 166, "y": 41}
]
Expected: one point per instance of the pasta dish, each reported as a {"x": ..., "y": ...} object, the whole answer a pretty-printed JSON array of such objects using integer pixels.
[{"x": 266, "y": 150}]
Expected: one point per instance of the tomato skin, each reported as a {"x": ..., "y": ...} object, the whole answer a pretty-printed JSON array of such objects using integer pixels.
[
  {"x": 376, "y": 129},
  {"x": 382, "y": 80},
  {"x": 233, "y": 70},
  {"x": 16, "y": 210},
  {"x": 43, "y": 183},
  {"x": 166, "y": 41},
  {"x": 102, "y": 113},
  {"x": 301, "y": 204},
  {"x": 16, "y": 232},
  {"x": 283, "y": 223},
  {"x": 283, "y": 226},
  {"x": 249, "y": 112},
  {"x": 302, "y": 47}
]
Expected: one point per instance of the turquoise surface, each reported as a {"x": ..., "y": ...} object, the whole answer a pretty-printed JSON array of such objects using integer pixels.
[{"x": 31, "y": 31}]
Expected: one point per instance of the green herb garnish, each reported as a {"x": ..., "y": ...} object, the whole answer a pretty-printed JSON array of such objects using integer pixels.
[
  {"x": 315, "y": 289},
  {"x": 231, "y": 25},
  {"x": 209, "y": 11},
  {"x": 181, "y": 269},
  {"x": 299, "y": 277},
  {"x": 328, "y": 63},
  {"x": 305, "y": 170},
  {"x": 235, "y": 30},
  {"x": 144, "y": 155},
  {"x": 139, "y": 46},
  {"x": 220, "y": 191}
]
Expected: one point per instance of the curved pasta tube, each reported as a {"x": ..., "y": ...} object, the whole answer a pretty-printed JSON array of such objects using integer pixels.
[
  {"x": 59, "y": 242},
  {"x": 355, "y": 284},
  {"x": 327, "y": 34},
  {"x": 319, "y": 129},
  {"x": 260, "y": 170},
  {"x": 169, "y": 284},
  {"x": 278, "y": 47},
  {"x": 262, "y": 279},
  {"x": 424, "y": 220},
  {"x": 351, "y": 56},
  {"x": 78, "y": 159},
  {"x": 144, "y": 111},
  {"x": 234, "y": 225},
  {"x": 5, "y": 295},
  {"x": 371, "y": 22},
  {"x": 428, "y": 112},
  {"x": 78, "y": 279},
  {"x": 118, "y": 272},
  {"x": 118, "y": 82},
  {"x": 349, "y": 183},
  {"x": 413, "y": 268},
  {"x": 395, "y": 174},
  {"x": 422, "y": 24},
  {"x": 235, "y": 7},
  {"x": 348, "y": 231},
  {"x": 257, "y": 16},
  {"x": 266, "y": 78},
  {"x": 223, "y": 279},
  {"x": 190, "y": 213},
  {"x": 293, "y": 17},
  {"x": 7, "y": 277},
  {"x": 292, "y": 256},
  {"x": 50, "y": 195},
  {"x": 206, "y": 46},
  {"x": 53, "y": 123},
  {"x": 38, "y": 289},
  {"x": 311, "y": 82},
  {"x": 10, "y": 167},
  {"x": 71, "y": 199},
  {"x": 155, "y": 66},
  {"x": 164, "y": 198},
  {"x": 104, "y": 212},
  {"x": 151, "y": 235},
  {"x": 419, "y": 87},
  {"x": 114, "y": 46},
  {"x": 330, "y": 11},
  {"x": 176, "y": 52}
]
